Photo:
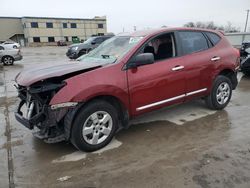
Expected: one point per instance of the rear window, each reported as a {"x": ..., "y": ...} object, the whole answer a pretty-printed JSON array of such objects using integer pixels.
[
  {"x": 214, "y": 38},
  {"x": 192, "y": 41},
  {"x": 99, "y": 40}
]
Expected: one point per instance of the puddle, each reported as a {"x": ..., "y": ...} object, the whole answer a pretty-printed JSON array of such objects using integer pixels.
[{"x": 78, "y": 155}]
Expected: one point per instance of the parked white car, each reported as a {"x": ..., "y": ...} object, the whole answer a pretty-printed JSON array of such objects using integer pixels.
[
  {"x": 9, "y": 55},
  {"x": 10, "y": 44}
]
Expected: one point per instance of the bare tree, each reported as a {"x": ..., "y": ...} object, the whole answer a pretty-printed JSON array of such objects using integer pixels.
[
  {"x": 230, "y": 29},
  {"x": 211, "y": 25}
]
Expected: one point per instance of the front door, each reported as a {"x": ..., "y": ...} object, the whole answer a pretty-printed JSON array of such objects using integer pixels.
[{"x": 161, "y": 83}]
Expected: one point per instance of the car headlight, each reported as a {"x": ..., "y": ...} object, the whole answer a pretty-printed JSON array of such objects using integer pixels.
[{"x": 75, "y": 48}]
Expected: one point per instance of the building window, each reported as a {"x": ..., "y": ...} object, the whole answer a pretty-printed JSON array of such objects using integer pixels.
[
  {"x": 65, "y": 25},
  {"x": 36, "y": 39},
  {"x": 34, "y": 25},
  {"x": 51, "y": 39},
  {"x": 49, "y": 25},
  {"x": 66, "y": 39},
  {"x": 100, "y": 26},
  {"x": 73, "y": 25}
]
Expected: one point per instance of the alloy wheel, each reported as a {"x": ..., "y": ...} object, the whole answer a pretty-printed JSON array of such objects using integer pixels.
[
  {"x": 223, "y": 93},
  {"x": 97, "y": 127}
]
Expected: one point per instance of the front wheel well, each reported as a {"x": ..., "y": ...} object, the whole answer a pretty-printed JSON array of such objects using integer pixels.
[
  {"x": 6, "y": 56},
  {"x": 122, "y": 112},
  {"x": 121, "y": 108},
  {"x": 231, "y": 75}
]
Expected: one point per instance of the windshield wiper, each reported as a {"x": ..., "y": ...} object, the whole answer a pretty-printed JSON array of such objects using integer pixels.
[{"x": 105, "y": 56}]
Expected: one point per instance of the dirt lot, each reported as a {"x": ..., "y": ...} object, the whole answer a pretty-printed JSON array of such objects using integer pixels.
[{"x": 182, "y": 146}]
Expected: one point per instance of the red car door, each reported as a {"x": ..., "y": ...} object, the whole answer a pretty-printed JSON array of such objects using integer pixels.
[
  {"x": 198, "y": 61},
  {"x": 158, "y": 84}
]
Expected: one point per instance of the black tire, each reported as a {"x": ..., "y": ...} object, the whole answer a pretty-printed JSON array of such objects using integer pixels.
[
  {"x": 247, "y": 73},
  {"x": 82, "y": 52},
  {"x": 212, "y": 101},
  {"x": 83, "y": 117},
  {"x": 8, "y": 60}
]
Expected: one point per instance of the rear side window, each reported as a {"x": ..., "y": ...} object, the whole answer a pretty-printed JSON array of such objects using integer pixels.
[
  {"x": 192, "y": 41},
  {"x": 214, "y": 38},
  {"x": 99, "y": 40},
  {"x": 1, "y": 48}
]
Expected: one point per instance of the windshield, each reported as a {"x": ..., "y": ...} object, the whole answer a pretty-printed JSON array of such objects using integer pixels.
[
  {"x": 89, "y": 40},
  {"x": 111, "y": 50}
]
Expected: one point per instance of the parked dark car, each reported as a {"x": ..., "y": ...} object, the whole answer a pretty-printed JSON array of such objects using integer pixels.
[
  {"x": 87, "y": 102},
  {"x": 245, "y": 59},
  {"x": 77, "y": 50},
  {"x": 244, "y": 46}
]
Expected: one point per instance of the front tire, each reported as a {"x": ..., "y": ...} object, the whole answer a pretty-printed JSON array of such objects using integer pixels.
[
  {"x": 220, "y": 94},
  {"x": 94, "y": 126}
]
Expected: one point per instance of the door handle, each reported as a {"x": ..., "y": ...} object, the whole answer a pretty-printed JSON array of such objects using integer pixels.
[
  {"x": 179, "y": 67},
  {"x": 216, "y": 58}
]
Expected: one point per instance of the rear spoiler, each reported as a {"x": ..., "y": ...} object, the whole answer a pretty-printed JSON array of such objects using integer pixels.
[{"x": 222, "y": 32}]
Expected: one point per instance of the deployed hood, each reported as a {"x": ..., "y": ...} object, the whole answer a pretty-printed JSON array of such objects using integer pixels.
[{"x": 30, "y": 76}]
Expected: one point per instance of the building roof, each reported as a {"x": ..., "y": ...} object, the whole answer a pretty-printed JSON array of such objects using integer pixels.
[{"x": 102, "y": 18}]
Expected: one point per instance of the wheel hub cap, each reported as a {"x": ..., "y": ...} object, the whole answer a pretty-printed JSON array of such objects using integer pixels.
[
  {"x": 97, "y": 127},
  {"x": 223, "y": 93}
]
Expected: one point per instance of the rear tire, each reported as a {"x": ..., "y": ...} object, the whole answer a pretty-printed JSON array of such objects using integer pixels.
[
  {"x": 8, "y": 60},
  {"x": 94, "y": 126},
  {"x": 220, "y": 94}
]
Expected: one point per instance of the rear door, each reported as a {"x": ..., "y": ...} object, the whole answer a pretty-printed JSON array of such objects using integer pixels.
[{"x": 197, "y": 57}]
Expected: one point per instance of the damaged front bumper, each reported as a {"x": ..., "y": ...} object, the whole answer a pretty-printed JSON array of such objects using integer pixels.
[
  {"x": 34, "y": 112},
  {"x": 47, "y": 124}
]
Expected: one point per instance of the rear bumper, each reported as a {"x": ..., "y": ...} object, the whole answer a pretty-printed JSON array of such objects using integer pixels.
[{"x": 18, "y": 57}]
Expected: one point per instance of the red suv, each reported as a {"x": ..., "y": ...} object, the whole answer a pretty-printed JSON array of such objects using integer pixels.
[{"x": 87, "y": 102}]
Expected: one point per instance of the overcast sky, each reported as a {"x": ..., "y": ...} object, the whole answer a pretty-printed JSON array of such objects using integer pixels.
[{"x": 126, "y": 14}]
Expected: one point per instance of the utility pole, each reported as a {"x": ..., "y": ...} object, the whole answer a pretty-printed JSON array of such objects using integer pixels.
[{"x": 246, "y": 20}]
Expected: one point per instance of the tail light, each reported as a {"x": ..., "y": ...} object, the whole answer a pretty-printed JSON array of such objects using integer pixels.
[
  {"x": 237, "y": 52},
  {"x": 237, "y": 65}
]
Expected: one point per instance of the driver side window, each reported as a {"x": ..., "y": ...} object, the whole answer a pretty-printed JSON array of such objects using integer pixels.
[{"x": 162, "y": 47}]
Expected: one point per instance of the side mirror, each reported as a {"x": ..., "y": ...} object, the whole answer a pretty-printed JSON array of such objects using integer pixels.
[
  {"x": 93, "y": 42},
  {"x": 142, "y": 59}
]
